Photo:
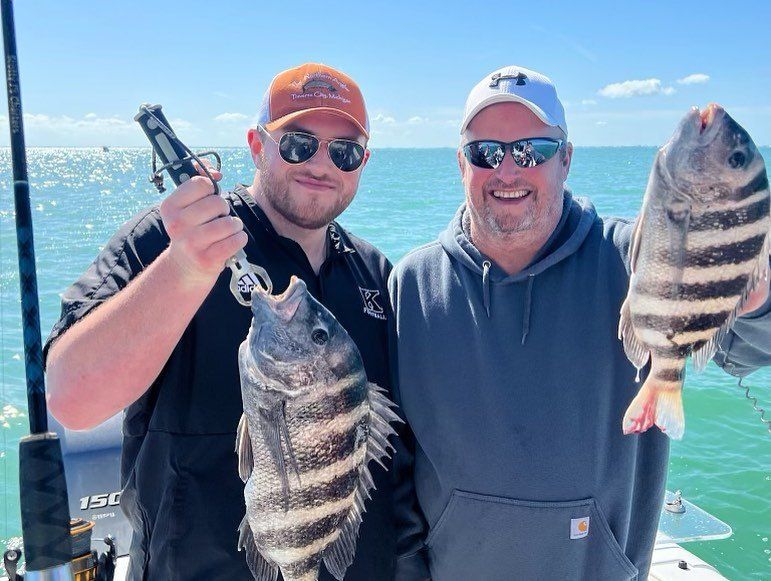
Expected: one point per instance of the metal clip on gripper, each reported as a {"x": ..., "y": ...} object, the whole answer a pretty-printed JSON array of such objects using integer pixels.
[{"x": 178, "y": 160}]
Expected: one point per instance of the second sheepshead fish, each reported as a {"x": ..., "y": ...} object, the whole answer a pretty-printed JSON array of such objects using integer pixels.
[
  {"x": 700, "y": 246},
  {"x": 311, "y": 424}
]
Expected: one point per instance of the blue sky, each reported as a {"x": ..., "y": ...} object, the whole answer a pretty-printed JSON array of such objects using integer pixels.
[{"x": 625, "y": 70}]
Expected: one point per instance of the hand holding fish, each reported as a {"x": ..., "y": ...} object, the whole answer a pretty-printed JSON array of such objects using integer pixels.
[
  {"x": 755, "y": 300},
  {"x": 203, "y": 234}
]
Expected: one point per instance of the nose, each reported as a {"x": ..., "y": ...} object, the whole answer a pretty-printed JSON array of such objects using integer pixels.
[
  {"x": 321, "y": 161},
  {"x": 508, "y": 170}
]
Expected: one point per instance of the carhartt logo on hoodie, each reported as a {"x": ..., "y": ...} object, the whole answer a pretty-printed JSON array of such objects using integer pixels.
[{"x": 579, "y": 527}]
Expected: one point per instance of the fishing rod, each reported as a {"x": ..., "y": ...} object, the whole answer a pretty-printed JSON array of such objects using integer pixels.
[{"x": 45, "y": 516}]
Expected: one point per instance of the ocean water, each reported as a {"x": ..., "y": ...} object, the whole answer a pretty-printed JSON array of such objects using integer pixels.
[{"x": 406, "y": 197}]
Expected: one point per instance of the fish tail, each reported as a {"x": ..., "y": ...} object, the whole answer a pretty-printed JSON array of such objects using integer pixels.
[{"x": 658, "y": 402}]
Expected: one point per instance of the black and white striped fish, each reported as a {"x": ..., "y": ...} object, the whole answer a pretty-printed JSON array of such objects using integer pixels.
[
  {"x": 700, "y": 246},
  {"x": 311, "y": 424}
]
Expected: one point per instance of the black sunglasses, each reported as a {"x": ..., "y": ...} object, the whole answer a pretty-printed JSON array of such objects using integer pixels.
[
  {"x": 530, "y": 152},
  {"x": 296, "y": 147}
]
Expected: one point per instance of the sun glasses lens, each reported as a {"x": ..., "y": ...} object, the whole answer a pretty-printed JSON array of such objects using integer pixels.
[
  {"x": 485, "y": 154},
  {"x": 534, "y": 152},
  {"x": 526, "y": 152},
  {"x": 297, "y": 147},
  {"x": 346, "y": 155}
]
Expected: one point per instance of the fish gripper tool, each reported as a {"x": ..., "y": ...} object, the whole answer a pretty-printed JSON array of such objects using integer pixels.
[{"x": 177, "y": 160}]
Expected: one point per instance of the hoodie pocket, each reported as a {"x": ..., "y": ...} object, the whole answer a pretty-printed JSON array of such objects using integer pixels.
[{"x": 496, "y": 538}]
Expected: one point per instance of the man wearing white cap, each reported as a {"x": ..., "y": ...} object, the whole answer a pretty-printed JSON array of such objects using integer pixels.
[{"x": 511, "y": 374}]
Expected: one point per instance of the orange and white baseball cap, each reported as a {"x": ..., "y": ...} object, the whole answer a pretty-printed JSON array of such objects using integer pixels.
[{"x": 312, "y": 88}]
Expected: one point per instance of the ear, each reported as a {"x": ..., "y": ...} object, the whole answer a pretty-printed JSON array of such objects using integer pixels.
[
  {"x": 461, "y": 164},
  {"x": 566, "y": 160},
  {"x": 367, "y": 153},
  {"x": 255, "y": 144}
]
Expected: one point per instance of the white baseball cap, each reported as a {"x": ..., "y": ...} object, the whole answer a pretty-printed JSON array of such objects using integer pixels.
[{"x": 514, "y": 84}]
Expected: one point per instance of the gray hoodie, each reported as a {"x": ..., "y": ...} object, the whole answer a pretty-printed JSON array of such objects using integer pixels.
[{"x": 514, "y": 388}]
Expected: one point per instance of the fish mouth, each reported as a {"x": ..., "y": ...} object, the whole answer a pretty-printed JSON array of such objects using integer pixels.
[
  {"x": 284, "y": 305},
  {"x": 708, "y": 121}
]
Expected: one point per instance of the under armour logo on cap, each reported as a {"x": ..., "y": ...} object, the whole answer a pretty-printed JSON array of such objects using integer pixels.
[
  {"x": 498, "y": 77},
  {"x": 516, "y": 84}
]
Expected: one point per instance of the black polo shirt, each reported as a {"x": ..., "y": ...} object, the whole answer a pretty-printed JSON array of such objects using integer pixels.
[{"x": 182, "y": 492}]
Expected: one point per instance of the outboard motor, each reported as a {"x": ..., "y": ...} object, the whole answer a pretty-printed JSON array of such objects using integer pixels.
[{"x": 92, "y": 467}]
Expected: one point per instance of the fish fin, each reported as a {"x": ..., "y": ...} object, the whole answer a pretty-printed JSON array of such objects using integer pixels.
[
  {"x": 635, "y": 351},
  {"x": 338, "y": 556},
  {"x": 759, "y": 275},
  {"x": 656, "y": 404},
  {"x": 269, "y": 426},
  {"x": 261, "y": 568},
  {"x": 634, "y": 245},
  {"x": 289, "y": 448},
  {"x": 244, "y": 449},
  {"x": 381, "y": 416}
]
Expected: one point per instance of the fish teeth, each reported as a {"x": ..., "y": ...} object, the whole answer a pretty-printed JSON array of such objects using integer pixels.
[{"x": 508, "y": 194}]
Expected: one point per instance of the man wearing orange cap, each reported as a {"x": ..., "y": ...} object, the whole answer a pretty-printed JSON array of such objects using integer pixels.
[{"x": 152, "y": 327}]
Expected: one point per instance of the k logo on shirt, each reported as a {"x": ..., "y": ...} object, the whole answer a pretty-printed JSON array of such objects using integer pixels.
[{"x": 372, "y": 306}]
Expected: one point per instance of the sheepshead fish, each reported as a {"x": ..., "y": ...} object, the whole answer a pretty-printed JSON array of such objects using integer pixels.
[
  {"x": 311, "y": 424},
  {"x": 700, "y": 246}
]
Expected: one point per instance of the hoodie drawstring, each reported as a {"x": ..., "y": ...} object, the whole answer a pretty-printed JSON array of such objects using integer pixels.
[
  {"x": 486, "y": 286},
  {"x": 526, "y": 308}
]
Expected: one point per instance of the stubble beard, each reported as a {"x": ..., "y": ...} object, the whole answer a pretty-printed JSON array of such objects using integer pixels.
[
  {"x": 310, "y": 215},
  {"x": 519, "y": 228}
]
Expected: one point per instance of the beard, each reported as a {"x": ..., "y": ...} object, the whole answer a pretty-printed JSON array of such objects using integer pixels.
[
  {"x": 309, "y": 214},
  {"x": 505, "y": 224},
  {"x": 541, "y": 212}
]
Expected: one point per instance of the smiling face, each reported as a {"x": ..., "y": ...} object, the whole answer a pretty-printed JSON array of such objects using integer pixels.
[
  {"x": 511, "y": 200},
  {"x": 310, "y": 194}
]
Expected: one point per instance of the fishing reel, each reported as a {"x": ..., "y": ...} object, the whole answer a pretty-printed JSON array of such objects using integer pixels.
[{"x": 86, "y": 564}]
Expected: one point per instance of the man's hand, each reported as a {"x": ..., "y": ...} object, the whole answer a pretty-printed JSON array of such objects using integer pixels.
[
  {"x": 203, "y": 234},
  {"x": 756, "y": 299}
]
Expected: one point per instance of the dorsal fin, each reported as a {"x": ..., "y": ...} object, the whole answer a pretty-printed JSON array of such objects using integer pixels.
[{"x": 338, "y": 556}]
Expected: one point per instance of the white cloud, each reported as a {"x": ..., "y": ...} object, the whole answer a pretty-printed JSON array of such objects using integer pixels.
[
  {"x": 416, "y": 120},
  {"x": 588, "y": 102},
  {"x": 634, "y": 88},
  {"x": 90, "y": 116},
  {"x": 178, "y": 124},
  {"x": 89, "y": 123},
  {"x": 231, "y": 117},
  {"x": 385, "y": 119},
  {"x": 694, "y": 79},
  {"x": 601, "y": 123}
]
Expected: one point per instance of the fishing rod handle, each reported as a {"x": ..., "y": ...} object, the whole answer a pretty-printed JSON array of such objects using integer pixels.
[
  {"x": 168, "y": 150},
  {"x": 45, "y": 514}
]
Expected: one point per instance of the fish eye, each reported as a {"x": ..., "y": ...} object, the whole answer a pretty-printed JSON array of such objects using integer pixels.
[
  {"x": 737, "y": 159},
  {"x": 319, "y": 336}
]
